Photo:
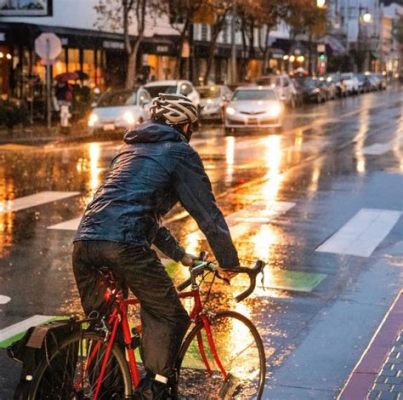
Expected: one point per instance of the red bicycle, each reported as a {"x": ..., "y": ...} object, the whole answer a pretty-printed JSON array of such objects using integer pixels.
[{"x": 222, "y": 356}]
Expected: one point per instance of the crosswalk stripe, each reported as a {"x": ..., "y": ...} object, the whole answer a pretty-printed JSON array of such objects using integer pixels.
[
  {"x": 33, "y": 200},
  {"x": 13, "y": 332},
  {"x": 362, "y": 234},
  {"x": 377, "y": 149},
  {"x": 70, "y": 225}
]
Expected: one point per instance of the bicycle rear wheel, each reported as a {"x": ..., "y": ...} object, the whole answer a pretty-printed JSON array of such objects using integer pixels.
[
  {"x": 71, "y": 372},
  {"x": 241, "y": 352}
]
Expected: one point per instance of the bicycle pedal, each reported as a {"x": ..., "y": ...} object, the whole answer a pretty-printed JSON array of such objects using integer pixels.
[{"x": 229, "y": 387}]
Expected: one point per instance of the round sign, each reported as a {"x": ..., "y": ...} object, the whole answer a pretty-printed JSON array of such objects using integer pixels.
[{"x": 48, "y": 46}]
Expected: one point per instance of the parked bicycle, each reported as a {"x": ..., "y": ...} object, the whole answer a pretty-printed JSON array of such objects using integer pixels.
[{"x": 222, "y": 357}]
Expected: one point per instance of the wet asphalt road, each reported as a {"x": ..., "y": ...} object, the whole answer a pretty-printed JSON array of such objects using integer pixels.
[{"x": 284, "y": 194}]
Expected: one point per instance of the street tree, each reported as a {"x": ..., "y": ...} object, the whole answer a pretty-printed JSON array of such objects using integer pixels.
[
  {"x": 269, "y": 15},
  {"x": 304, "y": 17},
  {"x": 214, "y": 12},
  {"x": 120, "y": 16},
  {"x": 182, "y": 15}
]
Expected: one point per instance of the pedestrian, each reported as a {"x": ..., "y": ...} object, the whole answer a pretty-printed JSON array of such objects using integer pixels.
[{"x": 155, "y": 168}]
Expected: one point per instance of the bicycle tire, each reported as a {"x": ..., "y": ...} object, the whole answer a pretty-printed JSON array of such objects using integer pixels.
[
  {"x": 56, "y": 377},
  {"x": 229, "y": 329}
]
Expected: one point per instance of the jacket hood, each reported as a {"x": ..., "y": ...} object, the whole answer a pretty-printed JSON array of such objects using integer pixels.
[{"x": 152, "y": 132}]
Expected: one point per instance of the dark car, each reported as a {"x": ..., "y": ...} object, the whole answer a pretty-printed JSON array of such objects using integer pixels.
[
  {"x": 312, "y": 90},
  {"x": 336, "y": 78},
  {"x": 329, "y": 88},
  {"x": 364, "y": 83}
]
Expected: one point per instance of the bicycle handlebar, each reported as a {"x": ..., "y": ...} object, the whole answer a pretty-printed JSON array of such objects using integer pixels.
[{"x": 204, "y": 265}]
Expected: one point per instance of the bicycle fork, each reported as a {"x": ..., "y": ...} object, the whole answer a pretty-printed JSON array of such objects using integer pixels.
[{"x": 210, "y": 339}]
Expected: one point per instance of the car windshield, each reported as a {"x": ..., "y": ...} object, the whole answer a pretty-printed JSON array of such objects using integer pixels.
[
  {"x": 254, "y": 94},
  {"x": 307, "y": 82},
  {"x": 347, "y": 76},
  {"x": 116, "y": 99},
  {"x": 211, "y": 92},
  {"x": 268, "y": 81},
  {"x": 156, "y": 90}
]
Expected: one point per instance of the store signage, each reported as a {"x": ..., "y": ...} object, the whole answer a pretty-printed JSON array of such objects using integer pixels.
[
  {"x": 26, "y": 8},
  {"x": 109, "y": 44},
  {"x": 162, "y": 49},
  {"x": 321, "y": 48}
]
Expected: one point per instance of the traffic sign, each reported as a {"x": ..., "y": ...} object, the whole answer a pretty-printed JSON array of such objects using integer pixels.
[{"x": 48, "y": 46}]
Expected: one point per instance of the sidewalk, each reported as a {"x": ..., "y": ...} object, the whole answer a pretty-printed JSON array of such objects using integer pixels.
[
  {"x": 379, "y": 373},
  {"x": 39, "y": 134}
]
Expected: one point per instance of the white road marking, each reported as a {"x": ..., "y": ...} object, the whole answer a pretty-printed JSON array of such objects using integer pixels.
[
  {"x": 22, "y": 326},
  {"x": 4, "y": 299},
  {"x": 33, "y": 200},
  {"x": 377, "y": 149},
  {"x": 362, "y": 234},
  {"x": 70, "y": 225}
]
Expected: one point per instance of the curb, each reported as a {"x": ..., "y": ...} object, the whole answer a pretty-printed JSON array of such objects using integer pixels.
[{"x": 366, "y": 371}]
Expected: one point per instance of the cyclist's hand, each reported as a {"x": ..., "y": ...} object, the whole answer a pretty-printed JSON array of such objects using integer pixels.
[
  {"x": 226, "y": 274},
  {"x": 188, "y": 260}
]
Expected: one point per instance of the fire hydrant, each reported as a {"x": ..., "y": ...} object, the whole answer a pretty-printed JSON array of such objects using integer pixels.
[{"x": 65, "y": 115}]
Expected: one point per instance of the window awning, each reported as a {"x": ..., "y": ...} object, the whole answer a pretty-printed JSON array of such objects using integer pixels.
[{"x": 335, "y": 45}]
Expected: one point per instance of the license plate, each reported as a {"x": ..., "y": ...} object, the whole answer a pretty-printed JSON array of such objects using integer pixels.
[
  {"x": 252, "y": 121},
  {"x": 109, "y": 127}
]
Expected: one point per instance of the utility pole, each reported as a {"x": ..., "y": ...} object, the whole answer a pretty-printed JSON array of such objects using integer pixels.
[{"x": 233, "y": 69}]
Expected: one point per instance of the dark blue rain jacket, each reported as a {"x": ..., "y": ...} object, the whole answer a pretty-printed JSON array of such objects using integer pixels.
[{"x": 155, "y": 169}]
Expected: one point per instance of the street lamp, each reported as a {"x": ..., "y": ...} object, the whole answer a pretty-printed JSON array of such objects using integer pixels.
[{"x": 320, "y": 3}]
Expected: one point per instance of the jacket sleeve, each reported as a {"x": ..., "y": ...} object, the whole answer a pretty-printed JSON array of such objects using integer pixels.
[
  {"x": 193, "y": 188},
  {"x": 166, "y": 242}
]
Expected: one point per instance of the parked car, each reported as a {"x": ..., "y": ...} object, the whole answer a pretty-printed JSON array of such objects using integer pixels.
[
  {"x": 119, "y": 110},
  {"x": 283, "y": 86},
  {"x": 213, "y": 100},
  {"x": 171, "y": 86},
  {"x": 382, "y": 82},
  {"x": 313, "y": 91},
  {"x": 253, "y": 107},
  {"x": 329, "y": 87},
  {"x": 364, "y": 83},
  {"x": 341, "y": 88},
  {"x": 351, "y": 82}
]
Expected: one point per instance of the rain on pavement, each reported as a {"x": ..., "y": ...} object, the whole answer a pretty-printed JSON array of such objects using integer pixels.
[{"x": 288, "y": 197}]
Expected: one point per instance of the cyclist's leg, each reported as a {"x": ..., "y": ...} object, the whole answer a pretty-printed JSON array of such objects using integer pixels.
[
  {"x": 87, "y": 277},
  {"x": 164, "y": 319}
]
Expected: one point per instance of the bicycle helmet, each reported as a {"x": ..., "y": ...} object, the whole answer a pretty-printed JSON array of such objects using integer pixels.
[{"x": 174, "y": 109}]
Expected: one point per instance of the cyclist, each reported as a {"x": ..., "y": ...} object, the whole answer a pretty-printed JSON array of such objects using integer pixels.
[{"x": 155, "y": 168}]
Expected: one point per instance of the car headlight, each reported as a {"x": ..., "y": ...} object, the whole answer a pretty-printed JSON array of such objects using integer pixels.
[
  {"x": 230, "y": 111},
  {"x": 129, "y": 118},
  {"x": 92, "y": 120},
  {"x": 275, "y": 110}
]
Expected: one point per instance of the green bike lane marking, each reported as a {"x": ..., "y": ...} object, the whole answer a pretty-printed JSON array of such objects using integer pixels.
[
  {"x": 277, "y": 279},
  {"x": 16, "y": 331}
]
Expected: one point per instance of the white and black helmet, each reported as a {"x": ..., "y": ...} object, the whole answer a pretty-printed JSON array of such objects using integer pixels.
[{"x": 174, "y": 109}]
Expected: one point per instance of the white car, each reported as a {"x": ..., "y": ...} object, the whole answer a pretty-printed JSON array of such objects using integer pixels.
[
  {"x": 351, "y": 82},
  {"x": 283, "y": 85},
  {"x": 119, "y": 110},
  {"x": 213, "y": 100},
  {"x": 253, "y": 107},
  {"x": 174, "y": 87}
]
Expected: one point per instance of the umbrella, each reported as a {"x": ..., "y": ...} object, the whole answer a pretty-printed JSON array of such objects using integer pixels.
[
  {"x": 82, "y": 75},
  {"x": 66, "y": 76}
]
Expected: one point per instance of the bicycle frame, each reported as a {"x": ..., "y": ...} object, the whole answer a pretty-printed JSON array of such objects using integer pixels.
[{"x": 119, "y": 315}]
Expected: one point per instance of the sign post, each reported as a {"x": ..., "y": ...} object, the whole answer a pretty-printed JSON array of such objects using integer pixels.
[{"x": 48, "y": 46}]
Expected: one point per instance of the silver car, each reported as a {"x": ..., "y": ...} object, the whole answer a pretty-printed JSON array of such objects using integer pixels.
[
  {"x": 119, "y": 110},
  {"x": 213, "y": 100},
  {"x": 253, "y": 107}
]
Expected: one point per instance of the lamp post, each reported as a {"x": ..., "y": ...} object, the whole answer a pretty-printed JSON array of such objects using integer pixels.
[{"x": 364, "y": 19}]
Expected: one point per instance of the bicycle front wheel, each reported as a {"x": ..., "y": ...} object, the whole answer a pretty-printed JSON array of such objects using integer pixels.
[
  {"x": 71, "y": 372},
  {"x": 239, "y": 350}
]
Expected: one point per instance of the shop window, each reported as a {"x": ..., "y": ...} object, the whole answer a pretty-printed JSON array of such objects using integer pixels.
[
  {"x": 89, "y": 64},
  {"x": 204, "y": 32},
  {"x": 74, "y": 60}
]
